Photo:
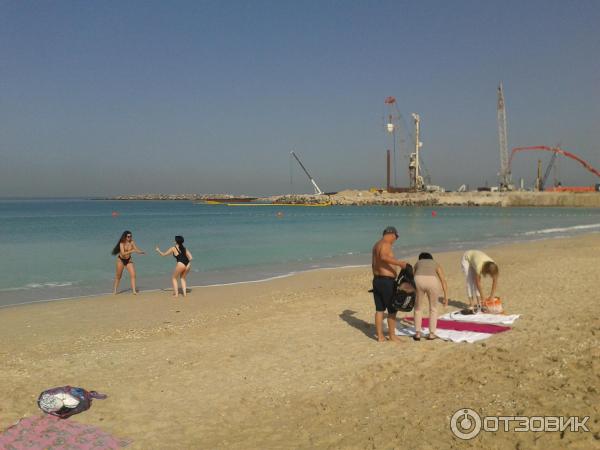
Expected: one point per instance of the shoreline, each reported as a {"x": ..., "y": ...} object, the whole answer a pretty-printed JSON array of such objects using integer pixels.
[
  {"x": 150, "y": 291},
  {"x": 308, "y": 265},
  {"x": 292, "y": 362}
]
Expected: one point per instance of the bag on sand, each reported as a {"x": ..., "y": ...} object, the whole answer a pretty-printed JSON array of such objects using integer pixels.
[
  {"x": 492, "y": 306},
  {"x": 405, "y": 290},
  {"x": 65, "y": 401}
]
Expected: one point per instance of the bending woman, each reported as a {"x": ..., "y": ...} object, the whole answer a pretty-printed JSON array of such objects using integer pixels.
[
  {"x": 124, "y": 249},
  {"x": 182, "y": 267},
  {"x": 431, "y": 283},
  {"x": 474, "y": 264}
]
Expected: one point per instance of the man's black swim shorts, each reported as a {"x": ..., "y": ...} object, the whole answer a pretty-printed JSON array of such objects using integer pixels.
[{"x": 383, "y": 292}]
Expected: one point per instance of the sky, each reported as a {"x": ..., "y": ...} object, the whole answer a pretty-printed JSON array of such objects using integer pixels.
[{"x": 112, "y": 97}]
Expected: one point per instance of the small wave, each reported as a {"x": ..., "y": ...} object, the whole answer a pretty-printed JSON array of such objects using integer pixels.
[
  {"x": 562, "y": 230},
  {"x": 49, "y": 284},
  {"x": 59, "y": 284},
  {"x": 285, "y": 275},
  {"x": 233, "y": 283}
]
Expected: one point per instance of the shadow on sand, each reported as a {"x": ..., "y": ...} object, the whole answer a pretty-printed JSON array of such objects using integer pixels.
[
  {"x": 179, "y": 291},
  {"x": 368, "y": 329},
  {"x": 457, "y": 304}
]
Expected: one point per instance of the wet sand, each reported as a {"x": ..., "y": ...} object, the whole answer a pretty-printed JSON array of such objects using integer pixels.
[{"x": 292, "y": 363}]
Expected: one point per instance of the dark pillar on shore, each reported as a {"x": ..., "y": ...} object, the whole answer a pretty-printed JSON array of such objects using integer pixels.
[{"x": 389, "y": 169}]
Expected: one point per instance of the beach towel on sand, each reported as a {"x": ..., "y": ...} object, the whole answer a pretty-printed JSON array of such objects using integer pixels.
[
  {"x": 464, "y": 326},
  {"x": 454, "y": 331},
  {"x": 496, "y": 319},
  {"x": 52, "y": 433},
  {"x": 445, "y": 335}
]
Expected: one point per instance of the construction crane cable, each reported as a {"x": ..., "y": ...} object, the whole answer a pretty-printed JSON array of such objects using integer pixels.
[{"x": 424, "y": 169}]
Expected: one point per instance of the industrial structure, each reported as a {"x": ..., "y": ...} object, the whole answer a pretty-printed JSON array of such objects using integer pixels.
[
  {"x": 414, "y": 168},
  {"x": 541, "y": 180},
  {"x": 505, "y": 173},
  {"x": 393, "y": 127},
  {"x": 417, "y": 182},
  {"x": 551, "y": 165},
  {"x": 318, "y": 190},
  {"x": 505, "y": 176}
]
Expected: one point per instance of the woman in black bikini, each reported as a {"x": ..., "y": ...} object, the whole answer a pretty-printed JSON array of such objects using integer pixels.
[
  {"x": 182, "y": 267},
  {"x": 124, "y": 249}
]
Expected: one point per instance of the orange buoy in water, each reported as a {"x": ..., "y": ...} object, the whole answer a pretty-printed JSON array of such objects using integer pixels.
[
  {"x": 433, "y": 214},
  {"x": 115, "y": 214}
]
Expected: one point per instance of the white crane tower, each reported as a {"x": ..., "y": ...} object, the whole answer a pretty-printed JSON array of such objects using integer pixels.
[
  {"x": 416, "y": 180},
  {"x": 505, "y": 178}
]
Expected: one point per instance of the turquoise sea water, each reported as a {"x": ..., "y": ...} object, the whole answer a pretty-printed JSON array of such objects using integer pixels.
[{"x": 61, "y": 248}]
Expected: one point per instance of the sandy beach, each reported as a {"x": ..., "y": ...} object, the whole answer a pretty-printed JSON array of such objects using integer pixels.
[{"x": 292, "y": 363}]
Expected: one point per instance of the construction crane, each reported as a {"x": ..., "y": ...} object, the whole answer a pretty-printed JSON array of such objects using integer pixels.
[
  {"x": 318, "y": 191},
  {"x": 395, "y": 127},
  {"x": 416, "y": 180},
  {"x": 558, "y": 150},
  {"x": 548, "y": 170},
  {"x": 538, "y": 178},
  {"x": 505, "y": 178}
]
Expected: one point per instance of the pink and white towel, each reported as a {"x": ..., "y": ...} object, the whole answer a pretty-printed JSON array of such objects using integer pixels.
[
  {"x": 495, "y": 319},
  {"x": 452, "y": 330},
  {"x": 52, "y": 433}
]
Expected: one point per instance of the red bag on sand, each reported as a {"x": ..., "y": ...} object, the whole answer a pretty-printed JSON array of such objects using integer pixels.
[{"x": 492, "y": 306}]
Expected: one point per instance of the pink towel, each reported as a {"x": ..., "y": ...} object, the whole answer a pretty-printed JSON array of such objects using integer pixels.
[
  {"x": 465, "y": 326},
  {"x": 51, "y": 433}
]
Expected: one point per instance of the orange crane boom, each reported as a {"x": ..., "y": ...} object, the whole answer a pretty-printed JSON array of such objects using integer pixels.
[{"x": 560, "y": 151}]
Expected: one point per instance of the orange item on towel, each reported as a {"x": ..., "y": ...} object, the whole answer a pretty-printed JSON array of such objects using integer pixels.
[{"x": 493, "y": 305}]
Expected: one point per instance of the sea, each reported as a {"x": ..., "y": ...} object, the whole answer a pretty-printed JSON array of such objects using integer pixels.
[{"x": 61, "y": 248}]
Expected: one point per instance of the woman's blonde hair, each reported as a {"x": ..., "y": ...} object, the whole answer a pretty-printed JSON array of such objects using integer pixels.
[{"x": 490, "y": 268}]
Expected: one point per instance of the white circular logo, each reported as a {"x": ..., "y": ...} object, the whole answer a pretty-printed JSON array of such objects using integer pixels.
[{"x": 465, "y": 424}]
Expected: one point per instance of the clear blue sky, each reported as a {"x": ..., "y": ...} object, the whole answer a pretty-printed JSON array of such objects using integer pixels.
[{"x": 102, "y": 98}]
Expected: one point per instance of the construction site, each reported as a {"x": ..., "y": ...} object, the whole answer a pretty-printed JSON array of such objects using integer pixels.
[
  {"x": 420, "y": 180},
  {"x": 405, "y": 152},
  {"x": 406, "y": 145}
]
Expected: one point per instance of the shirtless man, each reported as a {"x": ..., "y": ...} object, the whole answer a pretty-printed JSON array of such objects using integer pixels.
[{"x": 384, "y": 274}]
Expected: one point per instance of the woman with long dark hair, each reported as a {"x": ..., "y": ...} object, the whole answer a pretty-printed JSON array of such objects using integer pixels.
[
  {"x": 123, "y": 250},
  {"x": 182, "y": 267}
]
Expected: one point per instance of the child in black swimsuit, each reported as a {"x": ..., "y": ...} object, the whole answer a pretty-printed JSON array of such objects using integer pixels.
[{"x": 183, "y": 257}]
